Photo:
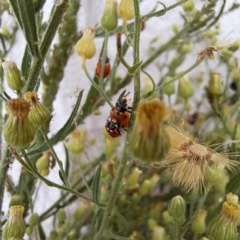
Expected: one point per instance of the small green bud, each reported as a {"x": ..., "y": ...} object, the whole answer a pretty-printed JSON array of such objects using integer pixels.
[
  {"x": 186, "y": 48},
  {"x": 151, "y": 223},
  {"x": 85, "y": 47},
  {"x": 169, "y": 88},
  {"x": 15, "y": 200},
  {"x": 72, "y": 235},
  {"x": 126, "y": 10},
  {"x": 215, "y": 174},
  {"x": 33, "y": 220},
  {"x": 14, "y": 227},
  {"x": 188, "y": 6},
  {"x": 133, "y": 177},
  {"x": 145, "y": 187},
  {"x": 226, "y": 55},
  {"x": 185, "y": 88},
  {"x": 199, "y": 223},
  {"x": 235, "y": 46},
  {"x": 61, "y": 215},
  {"x": 214, "y": 88},
  {"x": 155, "y": 212},
  {"x": 53, "y": 235},
  {"x": 80, "y": 212},
  {"x": 176, "y": 207},
  {"x": 18, "y": 122},
  {"x": 110, "y": 145},
  {"x": 149, "y": 140},
  {"x": 39, "y": 114},
  {"x": 43, "y": 163},
  {"x": 148, "y": 87},
  {"x": 13, "y": 75},
  {"x": 153, "y": 181},
  {"x": 29, "y": 231},
  {"x": 167, "y": 219},
  {"x": 74, "y": 142},
  {"x": 109, "y": 19}
]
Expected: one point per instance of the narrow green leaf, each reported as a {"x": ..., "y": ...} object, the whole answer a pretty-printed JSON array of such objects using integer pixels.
[
  {"x": 234, "y": 184},
  {"x": 41, "y": 232},
  {"x": 61, "y": 177},
  {"x": 16, "y": 11},
  {"x": 94, "y": 227},
  {"x": 27, "y": 16},
  {"x": 67, "y": 162},
  {"x": 96, "y": 184},
  {"x": 63, "y": 132},
  {"x": 26, "y": 63},
  {"x": 122, "y": 224},
  {"x": 134, "y": 67}
]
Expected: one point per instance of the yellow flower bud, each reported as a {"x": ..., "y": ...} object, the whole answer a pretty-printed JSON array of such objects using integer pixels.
[
  {"x": 43, "y": 163},
  {"x": 214, "y": 88},
  {"x": 185, "y": 88},
  {"x": 199, "y": 223},
  {"x": 19, "y": 131},
  {"x": 188, "y": 5},
  {"x": 85, "y": 46},
  {"x": 14, "y": 227},
  {"x": 126, "y": 11},
  {"x": 13, "y": 75}
]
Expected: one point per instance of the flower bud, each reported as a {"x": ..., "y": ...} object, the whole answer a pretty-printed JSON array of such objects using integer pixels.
[
  {"x": 215, "y": 174},
  {"x": 110, "y": 145},
  {"x": 80, "y": 212},
  {"x": 169, "y": 88},
  {"x": 199, "y": 223},
  {"x": 19, "y": 131},
  {"x": 109, "y": 19},
  {"x": 33, "y": 220},
  {"x": 72, "y": 235},
  {"x": 14, "y": 227},
  {"x": 224, "y": 226},
  {"x": 149, "y": 140},
  {"x": 53, "y": 235},
  {"x": 43, "y": 163},
  {"x": 159, "y": 233},
  {"x": 226, "y": 55},
  {"x": 29, "y": 231},
  {"x": 153, "y": 181},
  {"x": 167, "y": 219},
  {"x": 85, "y": 46},
  {"x": 145, "y": 187},
  {"x": 13, "y": 75},
  {"x": 15, "y": 200},
  {"x": 126, "y": 10},
  {"x": 214, "y": 88},
  {"x": 61, "y": 215},
  {"x": 155, "y": 212},
  {"x": 185, "y": 88},
  {"x": 74, "y": 142},
  {"x": 151, "y": 223},
  {"x": 235, "y": 46},
  {"x": 148, "y": 87},
  {"x": 188, "y": 6},
  {"x": 176, "y": 207},
  {"x": 133, "y": 177},
  {"x": 39, "y": 114}
]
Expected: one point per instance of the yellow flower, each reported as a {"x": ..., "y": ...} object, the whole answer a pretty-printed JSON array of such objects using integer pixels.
[{"x": 189, "y": 161}]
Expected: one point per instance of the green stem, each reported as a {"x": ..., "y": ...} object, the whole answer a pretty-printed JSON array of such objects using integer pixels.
[
  {"x": 101, "y": 91},
  {"x": 181, "y": 74},
  {"x": 83, "y": 176},
  {"x": 60, "y": 164},
  {"x": 3, "y": 174},
  {"x": 103, "y": 59},
  {"x": 122, "y": 165},
  {"x": 31, "y": 168},
  {"x": 182, "y": 112},
  {"x": 170, "y": 107}
]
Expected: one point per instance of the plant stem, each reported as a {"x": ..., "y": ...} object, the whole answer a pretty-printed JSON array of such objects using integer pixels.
[
  {"x": 60, "y": 164},
  {"x": 122, "y": 165},
  {"x": 103, "y": 59},
  {"x": 182, "y": 112},
  {"x": 3, "y": 174},
  {"x": 101, "y": 91}
]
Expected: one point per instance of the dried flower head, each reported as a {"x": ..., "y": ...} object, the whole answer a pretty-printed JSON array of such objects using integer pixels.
[{"x": 189, "y": 161}]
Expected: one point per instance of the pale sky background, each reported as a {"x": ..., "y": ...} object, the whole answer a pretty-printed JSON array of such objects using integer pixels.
[{"x": 90, "y": 15}]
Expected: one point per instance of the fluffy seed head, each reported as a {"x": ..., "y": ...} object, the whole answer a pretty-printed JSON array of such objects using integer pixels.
[{"x": 189, "y": 161}]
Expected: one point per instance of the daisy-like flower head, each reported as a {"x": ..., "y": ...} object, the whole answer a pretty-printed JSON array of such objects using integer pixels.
[{"x": 189, "y": 161}]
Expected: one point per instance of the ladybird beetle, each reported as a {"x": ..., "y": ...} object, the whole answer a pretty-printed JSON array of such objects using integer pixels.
[
  {"x": 107, "y": 68},
  {"x": 122, "y": 117},
  {"x": 112, "y": 127},
  {"x": 122, "y": 105}
]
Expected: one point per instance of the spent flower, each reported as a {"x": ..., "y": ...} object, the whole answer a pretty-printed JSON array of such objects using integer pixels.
[{"x": 189, "y": 160}]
